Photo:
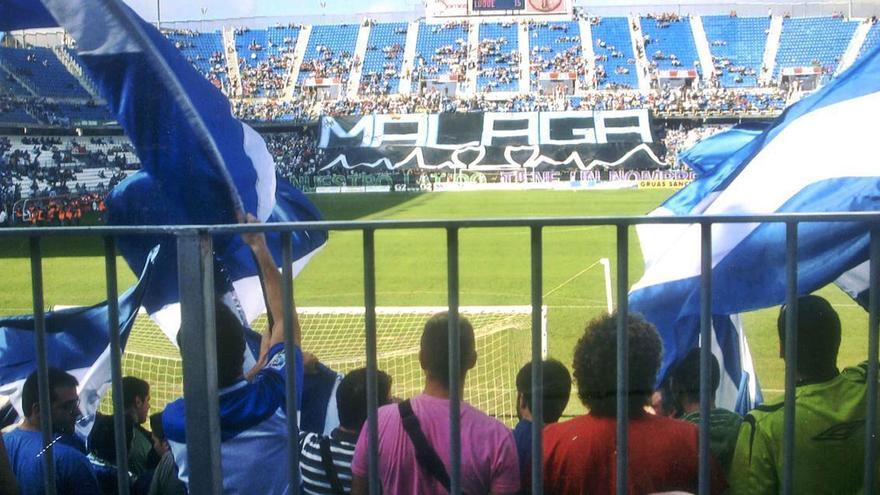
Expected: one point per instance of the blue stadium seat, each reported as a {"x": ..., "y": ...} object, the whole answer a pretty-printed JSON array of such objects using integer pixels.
[
  {"x": 264, "y": 57},
  {"x": 43, "y": 71},
  {"x": 554, "y": 47},
  {"x": 871, "y": 40},
  {"x": 737, "y": 45},
  {"x": 669, "y": 45},
  {"x": 813, "y": 41},
  {"x": 437, "y": 47},
  {"x": 499, "y": 55},
  {"x": 205, "y": 52},
  {"x": 333, "y": 45},
  {"x": 384, "y": 58},
  {"x": 612, "y": 45}
]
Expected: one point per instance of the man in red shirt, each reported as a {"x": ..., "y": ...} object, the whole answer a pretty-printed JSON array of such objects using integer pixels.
[{"x": 580, "y": 454}]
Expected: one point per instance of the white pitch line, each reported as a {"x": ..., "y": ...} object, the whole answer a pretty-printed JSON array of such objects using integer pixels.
[{"x": 576, "y": 275}]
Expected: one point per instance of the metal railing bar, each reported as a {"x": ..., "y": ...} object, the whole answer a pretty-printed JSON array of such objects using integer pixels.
[
  {"x": 195, "y": 268},
  {"x": 372, "y": 365},
  {"x": 873, "y": 340},
  {"x": 289, "y": 344},
  {"x": 122, "y": 483},
  {"x": 454, "y": 363},
  {"x": 343, "y": 225},
  {"x": 622, "y": 359},
  {"x": 705, "y": 484},
  {"x": 45, "y": 398},
  {"x": 791, "y": 335},
  {"x": 537, "y": 405}
]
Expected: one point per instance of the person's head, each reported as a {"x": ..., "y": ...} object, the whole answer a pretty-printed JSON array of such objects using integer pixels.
[
  {"x": 62, "y": 396},
  {"x": 595, "y": 364},
  {"x": 351, "y": 397},
  {"x": 818, "y": 338},
  {"x": 556, "y": 390},
  {"x": 157, "y": 434},
  {"x": 434, "y": 348},
  {"x": 230, "y": 344},
  {"x": 102, "y": 440},
  {"x": 136, "y": 398},
  {"x": 684, "y": 381}
]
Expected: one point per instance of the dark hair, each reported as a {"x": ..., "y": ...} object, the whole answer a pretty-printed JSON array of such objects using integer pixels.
[
  {"x": 351, "y": 396},
  {"x": 595, "y": 364},
  {"x": 684, "y": 379},
  {"x": 434, "y": 347},
  {"x": 133, "y": 387},
  {"x": 818, "y": 332},
  {"x": 102, "y": 440},
  {"x": 230, "y": 344},
  {"x": 30, "y": 395},
  {"x": 156, "y": 425},
  {"x": 556, "y": 388}
]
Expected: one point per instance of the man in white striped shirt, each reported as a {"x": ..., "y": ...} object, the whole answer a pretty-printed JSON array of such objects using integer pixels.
[{"x": 325, "y": 461}]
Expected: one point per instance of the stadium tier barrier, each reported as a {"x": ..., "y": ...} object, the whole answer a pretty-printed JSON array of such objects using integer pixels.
[{"x": 195, "y": 264}]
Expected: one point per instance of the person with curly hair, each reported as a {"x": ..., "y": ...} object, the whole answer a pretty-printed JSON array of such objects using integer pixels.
[{"x": 580, "y": 454}]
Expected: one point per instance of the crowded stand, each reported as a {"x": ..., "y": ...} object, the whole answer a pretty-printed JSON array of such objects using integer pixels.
[
  {"x": 616, "y": 66},
  {"x": 499, "y": 57},
  {"x": 669, "y": 43},
  {"x": 265, "y": 58},
  {"x": 204, "y": 51},
  {"x": 330, "y": 53},
  {"x": 817, "y": 42},
  {"x": 555, "y": 47}
]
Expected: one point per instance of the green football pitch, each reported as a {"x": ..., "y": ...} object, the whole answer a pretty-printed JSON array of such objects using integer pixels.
[{"x": 411, "y": 265}]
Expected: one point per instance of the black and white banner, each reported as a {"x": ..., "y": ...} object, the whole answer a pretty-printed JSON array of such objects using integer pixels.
[{"x": 492, "y": 141}]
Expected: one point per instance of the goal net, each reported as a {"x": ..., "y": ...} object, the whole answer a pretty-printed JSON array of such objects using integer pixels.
[{"x": 336, "y": 336}]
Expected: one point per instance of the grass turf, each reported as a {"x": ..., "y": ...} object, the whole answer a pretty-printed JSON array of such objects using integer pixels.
[{"x": 411, "y": 265}]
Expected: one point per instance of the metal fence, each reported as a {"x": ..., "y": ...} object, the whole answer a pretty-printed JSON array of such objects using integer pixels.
[{"x": 195, "y": 261}]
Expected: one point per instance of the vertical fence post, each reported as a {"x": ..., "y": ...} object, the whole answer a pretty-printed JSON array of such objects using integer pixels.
[
  {"x": 195, "y": 268},
  {"x": 622, "y": 359},
  {"x": 705, "y": 353},
  {"x": 116, "y": 367},
  {"x": 289, "y": 344},
  {"x": 791, "y": 336},
  {"x": 454, "y": 363},
  {"x": 537, "y": 362},
  {"x": 372, "y": 366},
  {"x": 873, "y": 338},
  {"x": 42, "y": 367}
]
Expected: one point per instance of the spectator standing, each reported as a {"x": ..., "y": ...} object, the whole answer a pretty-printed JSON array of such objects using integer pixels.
[
  {"x": 580, "y": 454},
  {"x": 164, "y": 480},
  {"x": 8, "y": 484},
  {"x": 829, "y": 439},
  {"x": 488, "y": 454},
  {"x": 326, "y": 460},
  {"x": 136, "y": 400},
  {"x": 253, "y": 421},
  {"x": 73, "y": 472},
  {"x": 556, "y": 393}
]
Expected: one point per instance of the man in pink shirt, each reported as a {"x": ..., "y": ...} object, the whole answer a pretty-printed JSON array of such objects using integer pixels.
[{"x": 489, "y": 462}]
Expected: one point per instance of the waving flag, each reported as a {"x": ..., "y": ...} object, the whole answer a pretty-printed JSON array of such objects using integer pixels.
[
  {"x": 818, "y": 156},
  {"x": 77, "y": 341},
  {"x": 200, "y": 165}
]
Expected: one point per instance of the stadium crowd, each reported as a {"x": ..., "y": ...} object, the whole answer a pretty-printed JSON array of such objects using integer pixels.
[{"x": 578, "y": 454}]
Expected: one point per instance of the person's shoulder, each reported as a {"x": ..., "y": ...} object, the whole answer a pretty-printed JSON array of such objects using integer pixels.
[
  {"x": 174, "y": 421},
  {"x": 484, "y": 420}
]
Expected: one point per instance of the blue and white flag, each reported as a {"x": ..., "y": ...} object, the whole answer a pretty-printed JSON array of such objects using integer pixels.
[
  {"x": 818, "y": 156},
  {"x": 200, "y": 165},
  {"x": 77, "y": 341}
]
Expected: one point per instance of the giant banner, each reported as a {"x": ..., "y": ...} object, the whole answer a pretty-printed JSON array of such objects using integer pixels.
[{"x": 492, "y": 141}]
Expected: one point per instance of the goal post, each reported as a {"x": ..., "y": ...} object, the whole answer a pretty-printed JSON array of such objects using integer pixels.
[{"x": 336, "y": 335}]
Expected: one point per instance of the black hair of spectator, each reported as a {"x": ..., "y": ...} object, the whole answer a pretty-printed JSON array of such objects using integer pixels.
[
  {"x": 156, "y": 426},
  {"x": 818, "y": 337},
  {"x": 230, "y": 344},
  {"x": 434, "y": 347},
  {"x": 557, "y": 388},
  {"x": 351, "y": 397},
  {"x": 595, "y": 364},
  {"x": 685, "y": 377},
  {"x": 30, "y": 395},
  {"x": 102, "y": 440},
  {"x": 133, "y": 388}
]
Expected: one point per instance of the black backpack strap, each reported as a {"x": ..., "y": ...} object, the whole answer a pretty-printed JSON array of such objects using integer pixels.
[
  {"x": 330, "y": 468},
  {"x": 425, "y": 454}
]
